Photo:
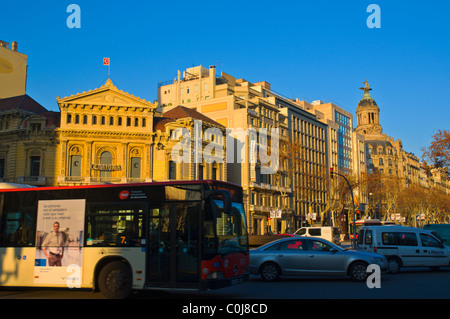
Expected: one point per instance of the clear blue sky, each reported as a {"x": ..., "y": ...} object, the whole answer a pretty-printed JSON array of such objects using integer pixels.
[{"x": 306, "y": 49}]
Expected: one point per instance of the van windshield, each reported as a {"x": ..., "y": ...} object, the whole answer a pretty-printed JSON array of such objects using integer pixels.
[
  {"x": 360, "y": 236},
  {"x": 440, "y": 231}
]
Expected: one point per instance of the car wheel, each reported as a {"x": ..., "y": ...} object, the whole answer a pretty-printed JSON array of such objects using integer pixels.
[
  {"x": 358, "y": 271},
  {"x": 270, "y": 272},
  {"x": 394, "y": 265},
  {"x": 115, "y": 280}
]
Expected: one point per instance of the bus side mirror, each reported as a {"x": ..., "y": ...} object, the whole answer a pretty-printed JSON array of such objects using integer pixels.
[{"x": 226, "y": 197}]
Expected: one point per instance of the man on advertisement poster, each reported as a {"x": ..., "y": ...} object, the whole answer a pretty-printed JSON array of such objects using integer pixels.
[
  {"x": 53, "y": 246},
  {"x": 59, "y": 240}
]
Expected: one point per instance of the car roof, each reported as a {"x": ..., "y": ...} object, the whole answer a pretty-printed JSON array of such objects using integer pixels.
[
  {"x": 398, "y": 228},
  {"x": 291, "y": 238},
  {"x": 392, "y": 227}
]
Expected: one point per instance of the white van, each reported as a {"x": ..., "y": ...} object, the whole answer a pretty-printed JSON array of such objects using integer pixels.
[
  {"x": 404, "y": 246},
  {"x": 327, "y": 232}
]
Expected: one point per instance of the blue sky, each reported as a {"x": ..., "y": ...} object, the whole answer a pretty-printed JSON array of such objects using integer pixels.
[{"x": 305, "y": 49}]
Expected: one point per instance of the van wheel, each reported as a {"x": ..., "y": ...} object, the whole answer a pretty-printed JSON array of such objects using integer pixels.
[
  {"x": 270, "y": 272},
  {"x": 115, "y": 280},
  {"x": 394, "y": 265},
  {"x": 358, "y": 271}
]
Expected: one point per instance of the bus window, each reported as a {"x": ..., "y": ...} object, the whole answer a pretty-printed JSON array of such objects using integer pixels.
[
  {"x": 230, "y": 228},
  {"x": 187, "y": 237},
  {"x": 18, "y": 219},
  {"x": 113, "y": 225}
]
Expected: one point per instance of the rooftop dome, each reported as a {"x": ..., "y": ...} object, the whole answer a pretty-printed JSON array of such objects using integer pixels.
[{"x": 366, "y": 100}]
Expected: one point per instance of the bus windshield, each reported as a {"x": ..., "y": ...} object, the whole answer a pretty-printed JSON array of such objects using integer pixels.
[{"x": 231, "y": 228}]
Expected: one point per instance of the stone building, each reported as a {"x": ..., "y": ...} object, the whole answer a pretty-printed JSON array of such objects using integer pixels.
[
  {"x": 250, "y": 107},
  {"x": 28, "y": 141},
  {"x": 110, "y": 136},
  {"x": 385, "y": 155}
]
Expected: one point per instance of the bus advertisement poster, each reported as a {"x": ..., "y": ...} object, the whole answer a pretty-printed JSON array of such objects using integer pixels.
[{"x": 59, "y": 240}]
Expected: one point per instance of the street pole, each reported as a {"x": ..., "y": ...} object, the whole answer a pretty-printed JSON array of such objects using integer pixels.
[{"x": 353, "y": 205}]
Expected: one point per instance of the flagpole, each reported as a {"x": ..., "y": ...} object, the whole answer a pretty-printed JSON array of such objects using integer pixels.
[{"x": 106, "y": 61}]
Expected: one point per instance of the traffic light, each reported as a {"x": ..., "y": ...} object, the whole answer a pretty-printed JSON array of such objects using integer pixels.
[{"x": 331, "y": 173}]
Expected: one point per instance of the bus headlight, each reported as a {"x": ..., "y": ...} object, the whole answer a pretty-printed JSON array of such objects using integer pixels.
[{"x": 215, "y": 275}]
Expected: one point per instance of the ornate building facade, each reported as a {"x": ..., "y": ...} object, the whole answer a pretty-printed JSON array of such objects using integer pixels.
[
  {"x": 385, "y": 155},
  {"x": 110, "y": 136},
  {"x": 28, "y": 142}
]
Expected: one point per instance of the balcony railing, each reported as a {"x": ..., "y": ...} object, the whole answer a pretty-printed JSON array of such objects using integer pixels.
[{"x": 31, "y": 180}]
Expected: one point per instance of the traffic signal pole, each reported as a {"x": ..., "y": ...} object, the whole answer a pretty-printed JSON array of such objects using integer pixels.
[{"x": 353, "y": 205}]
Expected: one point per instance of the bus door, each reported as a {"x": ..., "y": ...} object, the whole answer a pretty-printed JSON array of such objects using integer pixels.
[{"x": 173, "y": 248}]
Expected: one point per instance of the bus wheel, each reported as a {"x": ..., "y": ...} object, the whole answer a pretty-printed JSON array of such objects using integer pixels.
[{"x": 115, "y": 280}]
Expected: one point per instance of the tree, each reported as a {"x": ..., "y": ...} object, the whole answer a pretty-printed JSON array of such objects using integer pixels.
[{"x": 438, "y": 153}]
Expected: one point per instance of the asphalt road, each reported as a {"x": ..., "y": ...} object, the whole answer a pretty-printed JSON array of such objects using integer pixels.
[
  {"x": 410, "y": 283},
  {"x": 403, "y": 292}
]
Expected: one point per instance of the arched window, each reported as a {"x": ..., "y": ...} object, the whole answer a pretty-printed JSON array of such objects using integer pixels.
[{"x": 106, "y": 158}]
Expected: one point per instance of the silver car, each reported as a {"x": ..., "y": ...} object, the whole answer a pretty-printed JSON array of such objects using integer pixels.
[{"x": 298, "y": 256}]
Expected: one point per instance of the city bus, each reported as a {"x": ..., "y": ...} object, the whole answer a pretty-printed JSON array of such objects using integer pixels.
[{"x": 116, "y": 238}]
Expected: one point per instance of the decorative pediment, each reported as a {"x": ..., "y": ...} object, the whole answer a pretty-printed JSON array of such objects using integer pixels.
[{"x": 106, "y": 95}]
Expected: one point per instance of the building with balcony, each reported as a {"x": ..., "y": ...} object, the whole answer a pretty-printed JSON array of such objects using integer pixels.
[
  {"x": 28, "y": 141},
  {"x": 385, "y": 155},
  {"x": 246, "y": 109},
  {"x": 110, "y": 136}
]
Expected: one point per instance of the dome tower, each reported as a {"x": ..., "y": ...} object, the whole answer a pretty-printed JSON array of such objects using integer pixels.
[{"x": 368, "y": 114}]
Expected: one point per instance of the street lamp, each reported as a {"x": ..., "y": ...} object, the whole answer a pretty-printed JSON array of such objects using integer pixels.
[{"x": 353, "y": 204}]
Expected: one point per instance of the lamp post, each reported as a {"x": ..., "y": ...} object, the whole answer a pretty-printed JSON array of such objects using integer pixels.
[{"x": 332, "y": 173}]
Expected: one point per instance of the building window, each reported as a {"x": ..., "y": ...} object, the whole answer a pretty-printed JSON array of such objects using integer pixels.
[
  {"x": 103, "y": 121},
  {"x": 77, "y": 119},
  {"x": 68, "y": 118},
  {"x": 172, "y": 170},
  {"x": 136, "y": 122},
  {"x": 200, "y": 171},
  {"x": 111, "y": 120},
  {"x": 94, "y": 119},
  {"x": 144, "y": 122},
  {"x": 128, "y": 121},
  {"x": 106, "y": 158},
  {"x": 35, "y": 163},
  {"x": 119, "y": 121},
  {"x": 135, "y": 169},
  {"x": 2, "y": 167},
  {"x": 75, "y": 165},
  {"x": 85, "y": 119}
]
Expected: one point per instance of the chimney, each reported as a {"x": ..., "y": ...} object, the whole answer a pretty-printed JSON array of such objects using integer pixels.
[
  {"x": 14, "y": 46},
  {"x": 4, "y": 44},
  {"x": 212, "y": 81}
]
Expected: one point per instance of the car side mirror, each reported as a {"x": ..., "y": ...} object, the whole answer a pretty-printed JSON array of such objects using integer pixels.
[{"x": 333, "y": 250}]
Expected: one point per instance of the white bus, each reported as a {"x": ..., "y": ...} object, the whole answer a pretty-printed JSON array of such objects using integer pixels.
[{"x": 116, "y": 238}]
